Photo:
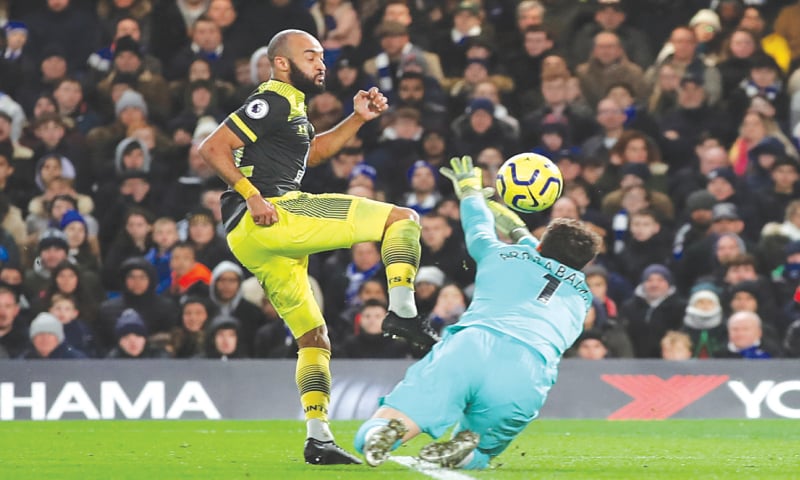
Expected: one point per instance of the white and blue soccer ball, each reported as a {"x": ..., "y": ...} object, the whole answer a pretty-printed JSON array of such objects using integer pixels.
[{"x": 529, "y": 182}]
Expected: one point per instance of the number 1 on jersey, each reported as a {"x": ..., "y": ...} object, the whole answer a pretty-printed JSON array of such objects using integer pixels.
[{"x": 549, "y": 289}]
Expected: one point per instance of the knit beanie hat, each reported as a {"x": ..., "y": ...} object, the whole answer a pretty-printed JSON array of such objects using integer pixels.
[
  {"x": 46, "y": 323},
  {"x": 130, "y": 322}
]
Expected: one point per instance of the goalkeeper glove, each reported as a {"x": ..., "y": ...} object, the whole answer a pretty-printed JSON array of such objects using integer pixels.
[
  {"x": 467, "y": 179},
  {"x": 507, "y": 222}
]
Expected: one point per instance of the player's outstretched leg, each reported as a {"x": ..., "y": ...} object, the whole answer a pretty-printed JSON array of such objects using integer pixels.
[
  {"x": 379, "y": 436},
  {"x": 400, "y": 252},
  {"x": 454, "y": 453}
]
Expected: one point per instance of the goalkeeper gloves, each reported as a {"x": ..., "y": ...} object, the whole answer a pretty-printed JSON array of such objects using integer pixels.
[
  {"x": 507, "y": 222},
  {"x": 467, "y": 179}
]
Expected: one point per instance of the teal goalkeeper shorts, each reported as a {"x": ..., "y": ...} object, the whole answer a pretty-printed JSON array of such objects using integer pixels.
[{"x": 479, "y": 380}]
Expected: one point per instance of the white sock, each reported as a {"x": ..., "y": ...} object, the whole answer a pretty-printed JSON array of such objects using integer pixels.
[
  {"x": 401, "y": 302},
  {"x": 316, "y": 428}
]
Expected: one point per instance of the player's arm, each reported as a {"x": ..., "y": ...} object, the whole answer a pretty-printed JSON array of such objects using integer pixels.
[
  {"x": 217, "y": 150},
  {"x": 366, "y": 106},
  {"x": 509, "y": 224}
]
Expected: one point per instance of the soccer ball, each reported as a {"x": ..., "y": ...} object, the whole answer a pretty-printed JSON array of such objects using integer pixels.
[{"x": 528, "y": 182}]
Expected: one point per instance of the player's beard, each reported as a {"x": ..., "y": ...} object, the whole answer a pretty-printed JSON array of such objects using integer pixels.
[{"x": 303, "y": 82}]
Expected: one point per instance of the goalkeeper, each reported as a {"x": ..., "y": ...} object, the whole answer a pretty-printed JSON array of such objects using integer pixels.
[{"x": 491, "y": 373}]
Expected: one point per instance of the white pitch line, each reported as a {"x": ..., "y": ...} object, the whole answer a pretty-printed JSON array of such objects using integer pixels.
[{"x": 430, "y": 469}]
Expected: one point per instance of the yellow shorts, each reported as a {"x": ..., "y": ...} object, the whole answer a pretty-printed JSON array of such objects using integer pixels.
[{"x": 278, "y": 255}]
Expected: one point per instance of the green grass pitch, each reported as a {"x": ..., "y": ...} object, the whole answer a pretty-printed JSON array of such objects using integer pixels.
[{"x": 561, "y": 449}]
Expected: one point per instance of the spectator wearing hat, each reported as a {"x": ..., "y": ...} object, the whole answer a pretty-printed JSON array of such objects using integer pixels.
[
  {"x": 590, "y": 346},
  {"x": 138, "y": 281},
  {"x": 129, "y": 61},
  {"x": 761, "y": 157},
  {"x": 708, "y": 32},
  {"x": 480, "y": 130},
  {"x": 397, "y": 49},
  {"x": 224, "y": 339},
  {"x": 18, "y": 63},
  {"x": 83, "y": 248},
  {"x": 701, "y": 258},
  {"x": 347, "y": 77},
  {"x": 131, "y": 333},
  {"x": 703, "y": 322},
  {"x": 764, "y": 80},
  {"x": 101, "y": 61},
  {"x": 226, "y": 294},
  {"x": 47, "y": 340},
  {"x": 698, "y": 212},
  {"x": 423, "y": 195},
  {"x": 655, "y": 308},
  {"x": 65, "y": 24},
  {"x": 728, "y": 189},
  {"x": 130, "y": 112},
  {"x": 610, "y": 16},
  {"x": 52, "y": 249},
  {"x": 427, "y": 283}
]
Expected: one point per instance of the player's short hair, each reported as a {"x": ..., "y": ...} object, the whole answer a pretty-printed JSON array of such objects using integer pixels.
[{"x": 570, "y": 242}]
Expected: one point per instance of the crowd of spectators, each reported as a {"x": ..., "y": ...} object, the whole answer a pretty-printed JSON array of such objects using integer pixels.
[{"x": 675, "y": 125}]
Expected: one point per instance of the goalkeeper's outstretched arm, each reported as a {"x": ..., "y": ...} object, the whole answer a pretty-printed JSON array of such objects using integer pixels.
[{"x": 509, "y": 224}]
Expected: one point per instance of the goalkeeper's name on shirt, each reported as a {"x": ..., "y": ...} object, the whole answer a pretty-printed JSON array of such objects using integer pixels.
[{"x": 562, "y": 272}]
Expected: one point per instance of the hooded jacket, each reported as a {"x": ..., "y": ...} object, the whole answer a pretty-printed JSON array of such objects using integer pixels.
[
  {"x": 159, "y": 313},
  {"x": 251, "y": 317}
]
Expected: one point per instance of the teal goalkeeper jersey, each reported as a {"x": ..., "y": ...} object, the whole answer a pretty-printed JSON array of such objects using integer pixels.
[{"x": 519, "y": 293}]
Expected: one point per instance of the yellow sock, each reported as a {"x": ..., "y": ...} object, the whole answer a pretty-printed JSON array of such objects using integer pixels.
[
  {"x": 400, "y": 252},
  {"x": 313, "y": 376}
]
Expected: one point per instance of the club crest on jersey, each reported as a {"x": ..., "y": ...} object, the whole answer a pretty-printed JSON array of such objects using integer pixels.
[{"x": 257, "y": 109}]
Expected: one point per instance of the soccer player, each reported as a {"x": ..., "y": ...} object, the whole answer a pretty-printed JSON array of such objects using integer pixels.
[
  {"x": 492, "y": 370},
  {"x": 262, "y": 150}
]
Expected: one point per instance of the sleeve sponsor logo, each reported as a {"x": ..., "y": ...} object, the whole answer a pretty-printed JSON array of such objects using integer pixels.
[{"x": 257, "y": 109}]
